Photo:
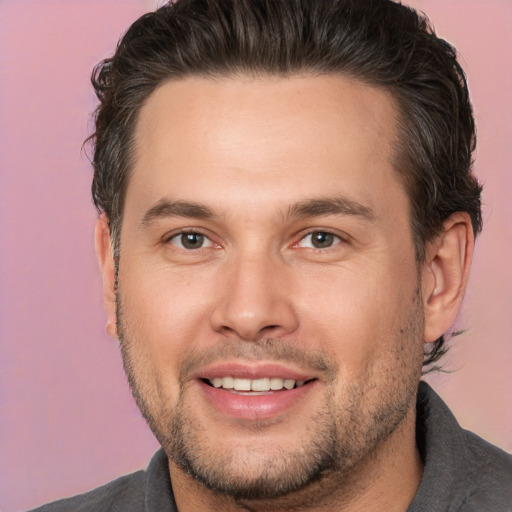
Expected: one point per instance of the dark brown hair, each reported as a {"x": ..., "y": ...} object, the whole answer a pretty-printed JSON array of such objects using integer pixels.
[{"x": 380, "y": 42}]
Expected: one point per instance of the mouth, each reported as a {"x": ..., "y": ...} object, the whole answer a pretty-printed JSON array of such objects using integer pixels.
[
  {"x": 255, "y": 386},
  {"x": 257, "y": 392}
]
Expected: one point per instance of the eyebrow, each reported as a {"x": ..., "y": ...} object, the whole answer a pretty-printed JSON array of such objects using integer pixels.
[
  {"x": 331, "y": 206},
  {"x": 166, "y": 208}
]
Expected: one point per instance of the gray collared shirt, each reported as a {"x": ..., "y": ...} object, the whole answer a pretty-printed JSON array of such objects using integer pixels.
[{"x": 462, "y": 473}]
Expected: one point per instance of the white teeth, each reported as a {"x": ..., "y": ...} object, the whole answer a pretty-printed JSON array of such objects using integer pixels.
[
  {"x": 289, "y": 383},
  {"x": 263, "y": 384},
  {"x": 242, "y": 384},
  {"x": 276, "y": 383},
  {"x": 260, "y": 385},
  {"x": 228, "y": 383}
]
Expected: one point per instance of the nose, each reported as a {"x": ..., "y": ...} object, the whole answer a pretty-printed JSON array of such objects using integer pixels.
[{"x": 255, "y": 301}]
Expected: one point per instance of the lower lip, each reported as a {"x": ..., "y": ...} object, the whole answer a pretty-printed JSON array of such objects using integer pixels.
[{"x": 255, "y": 406}]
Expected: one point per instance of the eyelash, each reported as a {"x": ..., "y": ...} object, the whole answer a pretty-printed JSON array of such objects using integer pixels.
[
  {"x": 196, "y": 232},
  {"x": 337, "y": 239}
]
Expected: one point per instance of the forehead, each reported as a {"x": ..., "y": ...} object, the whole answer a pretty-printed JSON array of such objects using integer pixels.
[{"x": 264, "y": 139}]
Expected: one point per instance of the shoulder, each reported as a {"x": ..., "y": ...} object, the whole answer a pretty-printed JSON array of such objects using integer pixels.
[
  {"x": 462, "y": 472},
  {"x": 491, "y": 471},
  {"x": 124, "y": 494},
  {"x": 149, "y": 489}
]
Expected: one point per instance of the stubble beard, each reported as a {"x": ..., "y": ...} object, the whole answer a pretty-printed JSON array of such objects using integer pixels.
[{"x": 343, "y": 434}]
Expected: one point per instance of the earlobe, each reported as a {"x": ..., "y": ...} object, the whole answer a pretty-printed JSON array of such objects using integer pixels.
[
  {"x": 445, "y": 274},
  {"x": 106, "y": 262}
]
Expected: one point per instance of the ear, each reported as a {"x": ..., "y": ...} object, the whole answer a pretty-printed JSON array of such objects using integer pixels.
[
  {"x": 106, "y": 261},
  {"x": 445, "y": 274}
]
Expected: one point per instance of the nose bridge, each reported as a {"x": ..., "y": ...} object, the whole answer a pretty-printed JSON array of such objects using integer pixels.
[{"x": 253, "y": 303}]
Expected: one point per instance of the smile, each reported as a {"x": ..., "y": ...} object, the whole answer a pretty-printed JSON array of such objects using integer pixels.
[
  {"x": 260, "y": 398},
  {"x": 265, "y": 384}
]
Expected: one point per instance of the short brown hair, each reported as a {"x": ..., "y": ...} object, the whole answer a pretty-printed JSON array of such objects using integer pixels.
[{"x": 380, "y": 42}]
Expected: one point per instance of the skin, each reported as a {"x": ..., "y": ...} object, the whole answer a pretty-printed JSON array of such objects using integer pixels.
[{"x": 352, "y": 315}]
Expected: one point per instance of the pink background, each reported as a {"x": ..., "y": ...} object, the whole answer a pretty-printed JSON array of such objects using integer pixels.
[{"x": 68, "y": 422}]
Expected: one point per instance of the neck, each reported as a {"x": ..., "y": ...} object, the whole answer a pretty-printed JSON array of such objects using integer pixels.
[{"x": 387, "y": 480}]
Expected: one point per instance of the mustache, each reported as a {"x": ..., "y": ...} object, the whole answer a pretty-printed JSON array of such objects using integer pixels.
[{"x": 268, "y": 349}]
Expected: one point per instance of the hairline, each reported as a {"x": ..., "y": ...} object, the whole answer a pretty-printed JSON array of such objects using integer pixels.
[{"x": 397, "y": 144}]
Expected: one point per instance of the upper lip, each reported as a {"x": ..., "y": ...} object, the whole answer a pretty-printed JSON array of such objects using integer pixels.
[{"x": 251, "y": 371}]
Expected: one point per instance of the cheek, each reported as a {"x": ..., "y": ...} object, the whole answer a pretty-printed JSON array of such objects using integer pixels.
[
  {"x": 162, "y": 298},
  {"x": 163, "y": 312},
  {"x": 357, "y": 312}
]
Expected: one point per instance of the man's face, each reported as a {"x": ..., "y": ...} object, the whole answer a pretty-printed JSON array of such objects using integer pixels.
[{"x": 266, "y": 245}]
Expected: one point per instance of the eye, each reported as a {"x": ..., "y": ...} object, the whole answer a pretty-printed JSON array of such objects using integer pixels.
[
  {"x": 319, "y": 240},
  {"x": 190, "y": 241}
]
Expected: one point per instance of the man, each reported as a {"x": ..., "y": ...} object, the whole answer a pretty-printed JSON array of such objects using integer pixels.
[{"x": 287, "y": 220}]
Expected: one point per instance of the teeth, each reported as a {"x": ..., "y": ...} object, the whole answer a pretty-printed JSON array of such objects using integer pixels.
[
  {"x": 264, "y": 384},
  {"x": 228, "y": 383},
  {"x": 276, "y": 383},
  {"x": 242, "y": 384},
  {"x": 289, "y": 383},
  {"x": 260, "y": 385}
]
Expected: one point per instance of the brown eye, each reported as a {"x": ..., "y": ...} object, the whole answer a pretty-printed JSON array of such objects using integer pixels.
[
  {"x": 190, "y": 241},
  {"x": 319, "y": 240}
]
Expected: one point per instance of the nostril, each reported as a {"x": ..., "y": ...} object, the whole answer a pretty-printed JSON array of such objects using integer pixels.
[{"x": 253, "y": 319}]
